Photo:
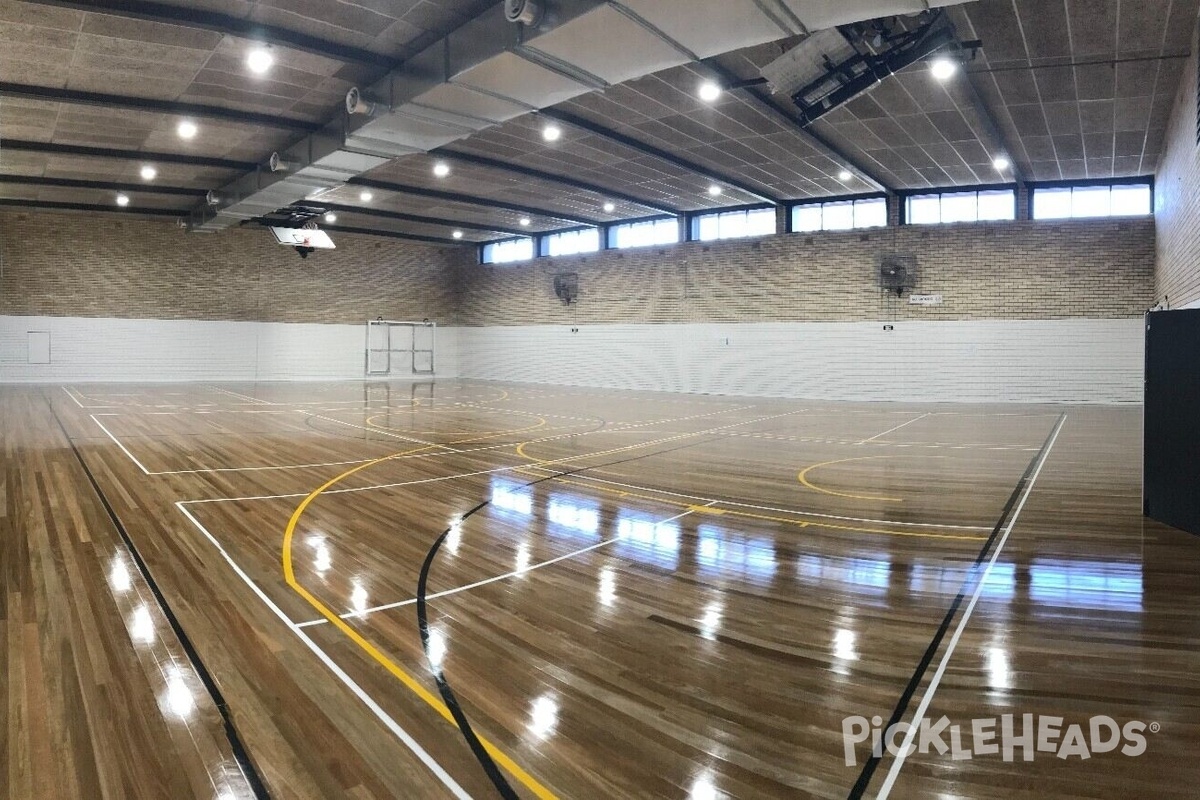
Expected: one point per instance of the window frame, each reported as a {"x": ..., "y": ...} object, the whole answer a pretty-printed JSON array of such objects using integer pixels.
[
  {"x": 1144, "y": 180},
  {"x": 907, "y": 195},
  {"x": 824, "y": 201},
  {"x": 543, "y": 241},
  {"x": 609, "y": 238},
  {"x": 533, "y": 239},
  {"x": 693, "y": 222}
]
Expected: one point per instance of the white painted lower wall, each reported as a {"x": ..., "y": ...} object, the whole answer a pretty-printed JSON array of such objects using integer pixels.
[
  {"x": 147, "y": 350},
  {"x": 1058, "y": 361},
  {"x": 1074, "y": 360}
]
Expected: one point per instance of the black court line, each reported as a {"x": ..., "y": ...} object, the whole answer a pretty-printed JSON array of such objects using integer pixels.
[
  {"x": 444, "y": 689},
  {"x": 868, "y": 771},
  {"x": 240, "y": 754}
]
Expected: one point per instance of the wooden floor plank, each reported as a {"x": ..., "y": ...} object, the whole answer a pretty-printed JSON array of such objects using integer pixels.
[{"x": 691, "y": 613}]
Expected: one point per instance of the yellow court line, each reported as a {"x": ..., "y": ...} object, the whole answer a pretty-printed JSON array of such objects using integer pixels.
[
  {"x": 542, "y": 422},
  {"x": 411, "y": 683},
  {"x": 803, "y": 478},
  {"x": 770, "y": 518},
  {"x": 415, "y": 686}
]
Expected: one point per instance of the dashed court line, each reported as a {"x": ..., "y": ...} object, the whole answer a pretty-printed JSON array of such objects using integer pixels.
[{"x": 709, "y": 506}]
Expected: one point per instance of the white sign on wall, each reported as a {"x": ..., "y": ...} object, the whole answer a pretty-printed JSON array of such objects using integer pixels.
[
  {"x": 39, "y": 347},
  {"x": 925, "y": 299}
]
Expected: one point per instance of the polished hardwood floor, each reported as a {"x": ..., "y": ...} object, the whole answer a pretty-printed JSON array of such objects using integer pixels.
[{"x": 628, "y": 595}]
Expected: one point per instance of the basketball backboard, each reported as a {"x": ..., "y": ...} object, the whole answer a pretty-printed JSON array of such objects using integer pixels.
[{"x": 303, "y": 237}]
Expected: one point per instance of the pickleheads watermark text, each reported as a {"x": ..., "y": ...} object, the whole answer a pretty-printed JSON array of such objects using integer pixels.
[{"x": 1004, "y": 736}]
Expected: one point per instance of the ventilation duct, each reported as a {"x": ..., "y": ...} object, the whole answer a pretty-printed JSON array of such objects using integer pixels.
[{"x": 491, "y": 70}]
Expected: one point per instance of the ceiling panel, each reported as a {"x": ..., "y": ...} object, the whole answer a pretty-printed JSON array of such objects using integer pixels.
[
  {"x": 595, "y": 159},
  {"x": 457, "y": 212},
  {"x": 1080, "y": 88}
]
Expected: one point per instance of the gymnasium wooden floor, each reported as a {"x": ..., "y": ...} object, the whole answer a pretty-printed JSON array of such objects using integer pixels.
[{"x": 626, "y": 594}]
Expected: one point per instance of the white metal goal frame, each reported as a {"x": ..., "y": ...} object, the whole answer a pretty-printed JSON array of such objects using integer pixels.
[{"x": 391, "y": 343}]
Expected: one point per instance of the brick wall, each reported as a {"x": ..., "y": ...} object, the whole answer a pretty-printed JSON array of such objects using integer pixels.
[
  {"x": 1018, "y": 270},
  {"x": 67, "y": 265},
  {"x": 63, "y": 265},
  {"x": 1177, "y": 200}
]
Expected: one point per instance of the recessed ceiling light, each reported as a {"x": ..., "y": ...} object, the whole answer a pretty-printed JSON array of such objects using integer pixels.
[
  {"x": 122, "y": 200},
  {"x": 441, "y": 169},
  {"x": 709, "y": 91},
  {"x": 187, "y": 130},
  {"x": 366, "y": 197},
  {"x": 715, "y": 190},
  {"x": 525, "y": 221},
  {"x": 149, "y": 173},
  {"x": 457, "y": 234},
  {"x": 609, "y": 208},
  {"x": 551, "y": 133},
  {"x": 943, "y": 68},
  {"x": 331, "y": 218},
  {"x": 260, "y": 61},
  {"x": 1001, "y": 163},
  {"x": 845, "y": 175}
]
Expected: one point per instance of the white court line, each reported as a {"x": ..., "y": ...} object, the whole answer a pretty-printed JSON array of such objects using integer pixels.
[
  {"x": 314, "y": 466},
  {"x": 219, "y": 410},
  {"x": 383, "y": 431},
  {"x": 447, "y": 447},
  {"x": 358, "y": 691},
  {"x": 485, "y": 582},
  {"x": 924, "y": 445},
  {"x": 550, "y": 438},
  {"x": 262, "y": 469},
  {"x": 118, "y": 443},
  {"x": 284, "y": 467},
  {"x": 145, "y": 471},
  {"x": 734, "y": 504},
  {"x": 731, "y": 503},
  {"x": 496, "y": 469},
  {"x": 242, "y": 396},
  {"x": 68, "y": 393},
  {"x": 455, "y": 400},
  {"x": 898, "y": 761},
  {"x": 891, "y": 430}
]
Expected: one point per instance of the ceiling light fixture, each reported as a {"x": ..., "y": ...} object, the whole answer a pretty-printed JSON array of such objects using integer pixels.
[
  {"x": 441, "y": 169},
  {"x": 1001, "y": 163},
  {"x": 122, "y": 200},
  {"x": 260, "y": 61},
  {"x": 709, "y": 91},
  {"x": 366, "y": 197},
  {"x": 149, "y": 173},
  {"x": 457, "y": 234},
  {"x": 943, "y": 68},
  {"x": 331, "y": 218},
  {"x": 525, "y": 221},
  {"x": 187, "y": 130},
  {"x": 845, "y": 175},
  {"x": 609, "y": 208},
  {"x": 551, "y": 133},
  {"x": 715, "y": 191}
]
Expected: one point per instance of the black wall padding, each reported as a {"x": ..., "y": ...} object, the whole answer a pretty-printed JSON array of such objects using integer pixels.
[{"x": 1171, "y": 447}]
